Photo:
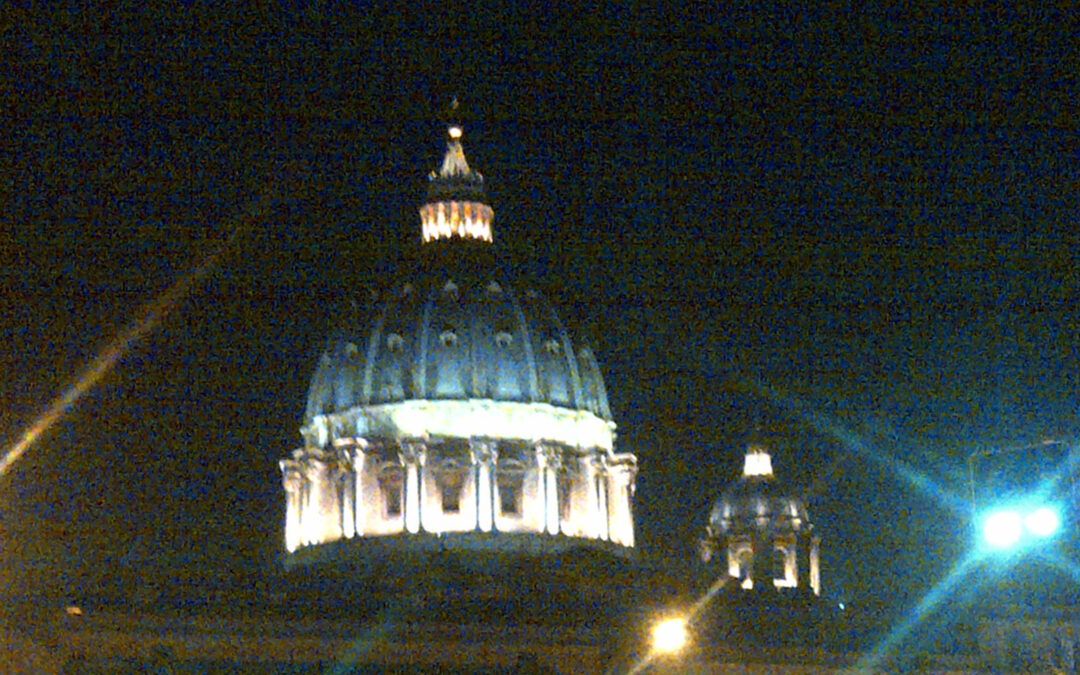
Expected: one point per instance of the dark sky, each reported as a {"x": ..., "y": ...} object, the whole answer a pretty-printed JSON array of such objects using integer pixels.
[{"x": 852, "y": 227}]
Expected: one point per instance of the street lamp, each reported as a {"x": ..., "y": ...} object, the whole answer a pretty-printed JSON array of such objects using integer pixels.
[
  {"x": 1020, "y": 508},
  {"x": 1002, "y": 529},
  {"x": 1011, "y": 526},
  {"x": 1043, "y": 522},
  {"x": 669, "y": 635}
]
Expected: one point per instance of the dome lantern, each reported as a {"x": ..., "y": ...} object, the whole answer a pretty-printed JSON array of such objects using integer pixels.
[
  {"x": 456, "y": 204},
  {"x": 758, "y": 462}
]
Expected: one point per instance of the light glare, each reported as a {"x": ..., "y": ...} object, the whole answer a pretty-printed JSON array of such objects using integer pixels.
[
  {"x": 1002, "y": 529},
  {"x": 669, "y": 635},
  {"x": 1042, "y": 522}
]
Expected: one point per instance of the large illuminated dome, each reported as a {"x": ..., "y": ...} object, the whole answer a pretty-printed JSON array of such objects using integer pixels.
[{"x": 458, "y": 407}]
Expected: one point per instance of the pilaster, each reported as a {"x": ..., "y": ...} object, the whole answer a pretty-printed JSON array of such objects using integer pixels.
[
  {"x": 552, "y": 462},
  {"x": 412, "y": 455},
  {"x": 484, "y": 454},
  {"x": 293, "y": 481}
]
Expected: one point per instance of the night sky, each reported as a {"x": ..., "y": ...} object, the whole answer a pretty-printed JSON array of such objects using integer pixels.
[{"x": 850, "y": 228}]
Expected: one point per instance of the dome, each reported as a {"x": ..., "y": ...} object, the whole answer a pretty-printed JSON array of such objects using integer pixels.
[
  {"x": 760, "y": 533},
  {"x": 457, "y": 407},
  {"x": 441, "y": 339},
  {"x": 757, "y": 500}
]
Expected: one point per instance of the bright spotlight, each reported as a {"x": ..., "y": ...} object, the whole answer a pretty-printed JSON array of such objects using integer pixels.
[
  {"x": 1002, "y": 529},
  {"x": 669, "y": 636},
  {"x": 1042, "y": 522}
]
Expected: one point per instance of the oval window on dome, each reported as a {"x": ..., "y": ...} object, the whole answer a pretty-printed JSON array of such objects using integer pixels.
[
  {"x": 448, "y": 337},
  {"x": 503, "y": 338},
  {"x": 394, "y": 342}
]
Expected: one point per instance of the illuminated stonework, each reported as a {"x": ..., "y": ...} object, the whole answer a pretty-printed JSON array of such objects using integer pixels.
[
  {"x": 524, "y": 481},
  {"x": 470, "y": 418},
  {"x": 467, "y": 220},
  {"x": 759, "y": 533}
]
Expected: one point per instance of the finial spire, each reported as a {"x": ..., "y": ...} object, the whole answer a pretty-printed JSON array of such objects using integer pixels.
[
  {"x": 453, "y": 128},
  {"x": 456, "y": 203}
]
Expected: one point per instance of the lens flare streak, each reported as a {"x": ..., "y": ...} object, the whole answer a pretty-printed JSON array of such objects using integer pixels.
[
  {"x": 687, "y": 620},
  {"x": 856, "y": 445},
  {"x": 148, "y": 319},
  {"x": 927, "y": 604}
]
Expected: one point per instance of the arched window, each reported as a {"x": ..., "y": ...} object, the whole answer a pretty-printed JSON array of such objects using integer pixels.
[
  {"x": 563, "y": 482},
  {"x": 509, "y": 478},
  {"x": 779, "y": 563},
  {"x": 451, "y": 480},
  {"x": 744, "y": 561},
  {"x": 391, "y": 487}
]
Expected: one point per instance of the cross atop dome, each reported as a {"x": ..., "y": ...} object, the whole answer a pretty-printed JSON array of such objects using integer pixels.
[{"x": 456, "y": 204}]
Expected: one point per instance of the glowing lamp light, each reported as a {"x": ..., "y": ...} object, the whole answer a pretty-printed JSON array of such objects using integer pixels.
[
  {"x": 758, "y": 462},
  {"x": 1009, "y": 527},
  {"x": 1003, "y": 529},
  {"x": 669, "y": 636},
  {"x": 1042, "y": 522}
]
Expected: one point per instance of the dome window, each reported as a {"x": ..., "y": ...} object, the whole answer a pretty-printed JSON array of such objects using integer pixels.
[
  {"x": 394, "y": 342},
  {"x": 509, "y": 481},
  {"x": 779, "y": 564},
  {"x": 744, "y": 562},
  {"x": 451, "y": 481},
  {"x": 551, "y": 346},
  {"x": 503, "y": 338},
  {"x": 448, "y": 337},
  {"x": 391, "y": 486}
]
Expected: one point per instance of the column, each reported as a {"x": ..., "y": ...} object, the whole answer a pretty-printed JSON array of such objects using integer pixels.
[
  {"x": 483, "y": 454},
  {"x": 603, "y": 518},
  {"x": 312, "y": 517},
  {"x": 293, "y": 481},
  {"x": 585, "y": 508},
  {"x": 539, "y": 513},
  {"x": 760, "y": 559},
  {"x": 343, "y": 485},
  {"x": 360, "y": 513},
  {"x": 553, "y": 461},
  {"x": 412, "y": 458},
  {"x": 802, "y": 560},
  {"x": 620, "y": 488}
]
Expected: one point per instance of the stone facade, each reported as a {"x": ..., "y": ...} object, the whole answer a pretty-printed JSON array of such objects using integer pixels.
[{"x": 362, "y": 488}]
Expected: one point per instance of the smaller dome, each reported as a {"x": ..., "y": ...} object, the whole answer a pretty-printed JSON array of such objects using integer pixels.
[{"x": 757, "y": 500}]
